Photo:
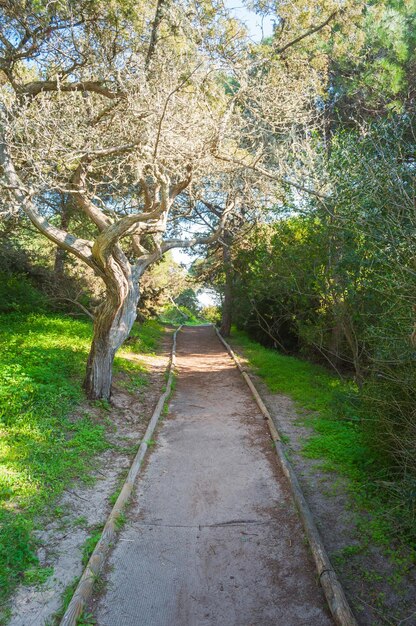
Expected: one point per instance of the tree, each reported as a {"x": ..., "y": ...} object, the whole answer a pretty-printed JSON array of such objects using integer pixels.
[
  {"x": 120, "y": 121},
  {"x": 134, "y": 115}
]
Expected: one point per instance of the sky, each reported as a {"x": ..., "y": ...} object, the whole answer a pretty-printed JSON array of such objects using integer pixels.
[{"x": 258, "y": 28}]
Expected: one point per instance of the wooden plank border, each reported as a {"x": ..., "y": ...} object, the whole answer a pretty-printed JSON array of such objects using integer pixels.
[
  {"x": 334, "y": 593},
  {"x": 84, "y": 589}
]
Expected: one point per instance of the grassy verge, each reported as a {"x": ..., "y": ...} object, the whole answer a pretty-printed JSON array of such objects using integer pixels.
[
  {"x": 385, "y": 516},
  {"x": 43, "y": 446}
]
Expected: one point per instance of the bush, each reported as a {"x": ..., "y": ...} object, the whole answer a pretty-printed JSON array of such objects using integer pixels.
[
  {"x": 17, "y": 294},
  {"x": 211, "y": 313}
]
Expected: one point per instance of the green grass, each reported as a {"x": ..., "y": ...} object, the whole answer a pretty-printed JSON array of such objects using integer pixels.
[
  {"x": 66, "y": 599},
  {"x": 331, "y": 407},
  {"x": 310, "y": 385},
  {"x": 43, "y": 446},
  {"x": 37, "y": 575},
  {"x": 324, "y": 401},
  {"x": 90, "y": 543}
]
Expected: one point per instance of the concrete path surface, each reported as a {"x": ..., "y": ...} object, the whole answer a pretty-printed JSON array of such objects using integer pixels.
[{"x": 212, "y": 537}]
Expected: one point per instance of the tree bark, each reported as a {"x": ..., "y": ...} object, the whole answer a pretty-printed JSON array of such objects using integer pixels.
[
  {"x": 226, "y": 312},
  {"x": 112, "y": 325},
  {"x": 335, "y": 343}
]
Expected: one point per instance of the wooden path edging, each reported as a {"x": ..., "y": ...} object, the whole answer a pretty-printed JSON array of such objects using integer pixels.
[
  {"x": 334, "y": 593},
  {"x": 93, "y": 568}
]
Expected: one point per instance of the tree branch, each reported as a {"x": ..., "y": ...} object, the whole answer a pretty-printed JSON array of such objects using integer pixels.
[
  {"x": 189, "y": 243},
  {"x": 271, "y": 176},
  {"x": 78, "y": 304},
  {"x": 82, "y": 248},
  {"x": 165, "y": 107},
  {"x": 89, "y": 208},
  {"x": 154, "y": 34},
  {"x": 308, "y": 33},
  {"x": 39, "y": 86}
]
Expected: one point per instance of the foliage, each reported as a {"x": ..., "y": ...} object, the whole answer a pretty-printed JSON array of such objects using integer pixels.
[
  {"x": 188, "y": 299},
  {"x": 17, "y": 294},
  {"x": 163, "y": 281},
  {"x": 369, "y": 84},
  {"x": 31, "y": 264},
  {"x": 211, "y": 313}
]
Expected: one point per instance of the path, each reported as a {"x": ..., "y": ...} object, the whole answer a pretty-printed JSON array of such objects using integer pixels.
[{"x": 212, "y": 537}]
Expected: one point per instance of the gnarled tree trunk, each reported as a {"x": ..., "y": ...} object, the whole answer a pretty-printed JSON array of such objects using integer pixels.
[{"x": 112, "y": 324}]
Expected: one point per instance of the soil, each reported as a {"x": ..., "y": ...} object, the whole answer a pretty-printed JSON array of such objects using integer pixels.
[
  {"x": 212, "y": 536},
  {"x": 368, "y": 577},
  {"x": 84, "y": 507}
]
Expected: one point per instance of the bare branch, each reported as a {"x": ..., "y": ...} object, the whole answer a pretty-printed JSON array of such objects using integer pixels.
[
  {"x": 308, "y": 33},
  {"x": 78, "y": 304},
  {"x": 195, "y": 241},
  {"x": 96, "y": 214},
  {"x": 82, "y": 248},
  {"x": 165, "y": 107},
  {"x": 271, "y": 176},
  {"x": 39, "y": 86}
]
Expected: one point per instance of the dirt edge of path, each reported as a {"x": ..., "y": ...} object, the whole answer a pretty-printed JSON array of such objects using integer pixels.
[{"x": 328, "y": 580}]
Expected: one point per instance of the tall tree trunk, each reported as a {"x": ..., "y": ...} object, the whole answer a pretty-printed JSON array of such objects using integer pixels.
[
  {"x": 59, "y": 265},
  {"x": 335, "y": 340},
  {"x": 226, "y": 312},
  {"x": 112, "y": 324}
]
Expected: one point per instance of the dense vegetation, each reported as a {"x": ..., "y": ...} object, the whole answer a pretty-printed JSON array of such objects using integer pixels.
[{"x": 341, "y": 287}]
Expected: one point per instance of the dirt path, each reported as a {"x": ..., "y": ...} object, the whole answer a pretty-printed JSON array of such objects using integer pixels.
[{"x": 212, "y": 537}]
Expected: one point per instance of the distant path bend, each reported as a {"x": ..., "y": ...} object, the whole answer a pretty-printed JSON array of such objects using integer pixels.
[{"x": 212, "y": 537}]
